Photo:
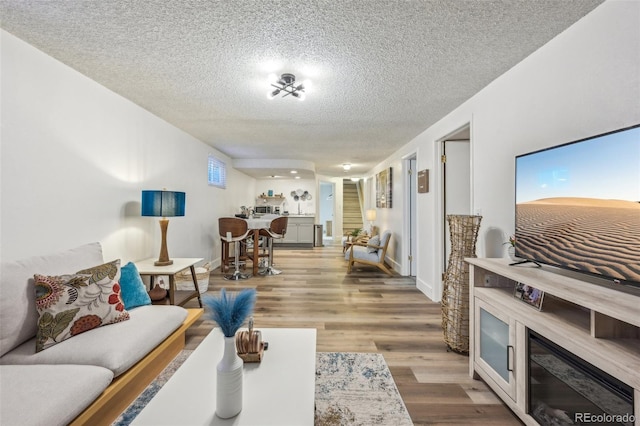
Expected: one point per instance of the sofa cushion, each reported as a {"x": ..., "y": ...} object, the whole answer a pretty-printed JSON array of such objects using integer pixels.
[
  {"x": 384, "y": 240},
  {"x": 116, "y": 347},
  {"x": 48, "y": 394},
  {"x": 72, "y": 304},
  {"x": 18, "y": 315},
  {"x": 134, "y": 293},
  {"x": 362, "y": 253}
]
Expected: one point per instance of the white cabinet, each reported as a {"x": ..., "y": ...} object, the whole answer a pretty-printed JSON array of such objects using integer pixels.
[
  {"x": 596, "y": 323},
  {"x": 495, "y": 346},
  {"x": 299, "y": 230},
  {"x": 305, "y": 232}
]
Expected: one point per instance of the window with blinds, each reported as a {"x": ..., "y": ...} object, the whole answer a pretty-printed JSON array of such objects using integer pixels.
[{"x": 217, "y": 172}]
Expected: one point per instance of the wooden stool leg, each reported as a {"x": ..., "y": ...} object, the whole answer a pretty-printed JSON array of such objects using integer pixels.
[{"x": 224, "y": 263}]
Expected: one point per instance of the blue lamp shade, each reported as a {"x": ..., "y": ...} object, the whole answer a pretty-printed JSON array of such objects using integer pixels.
[{"x": 163, "y": 203}]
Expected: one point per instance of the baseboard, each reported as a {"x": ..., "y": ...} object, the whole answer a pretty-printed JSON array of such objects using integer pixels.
[{"x": 427, "y": 289}]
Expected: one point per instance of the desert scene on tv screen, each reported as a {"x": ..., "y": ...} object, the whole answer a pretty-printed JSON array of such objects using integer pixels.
[
  {"x": 578, "y": 205},
  {"x": 592, "y": 235}
]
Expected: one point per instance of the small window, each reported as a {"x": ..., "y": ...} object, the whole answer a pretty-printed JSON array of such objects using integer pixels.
[{"x": 217, "y": 172}]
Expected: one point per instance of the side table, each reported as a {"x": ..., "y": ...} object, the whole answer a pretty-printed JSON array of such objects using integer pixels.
[{"x": 176, "y": 297}]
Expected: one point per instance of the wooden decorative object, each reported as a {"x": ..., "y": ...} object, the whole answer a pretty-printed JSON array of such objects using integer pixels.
[
  {"x": 455, "y": 294},
  {"x": 249, "y": 344}
]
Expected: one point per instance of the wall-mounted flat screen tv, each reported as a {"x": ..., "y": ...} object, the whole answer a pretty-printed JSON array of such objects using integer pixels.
[{"x": 578, "y": 206}]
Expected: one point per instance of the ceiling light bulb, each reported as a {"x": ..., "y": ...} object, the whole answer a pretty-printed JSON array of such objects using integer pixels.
[
  {"x": 297, "y": 177},
  {"x": 273, "y": 94},
  {"x": 346, "y": 167},
  {"x": 293, "y": 172},
  {"x": 301, "y": 96}
]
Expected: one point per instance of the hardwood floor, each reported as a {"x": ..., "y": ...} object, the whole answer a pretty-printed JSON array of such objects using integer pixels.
[{"x": 369, "y": 311}]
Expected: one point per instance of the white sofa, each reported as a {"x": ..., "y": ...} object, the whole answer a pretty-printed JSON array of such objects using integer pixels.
[{"x": 57, "y": 384}]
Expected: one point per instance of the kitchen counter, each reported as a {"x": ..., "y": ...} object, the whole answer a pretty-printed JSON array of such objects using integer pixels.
[{"x": 299, "y": 230}]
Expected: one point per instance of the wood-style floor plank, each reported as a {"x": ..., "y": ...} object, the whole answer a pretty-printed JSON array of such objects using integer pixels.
[{"x": 369, "y": 311}]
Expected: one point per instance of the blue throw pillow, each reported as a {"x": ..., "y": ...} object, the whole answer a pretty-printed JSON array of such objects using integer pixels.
[{"x": 133, "y": 291}]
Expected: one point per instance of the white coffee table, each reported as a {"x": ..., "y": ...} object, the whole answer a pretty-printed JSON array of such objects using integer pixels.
[{"x": 280, "y": 390}]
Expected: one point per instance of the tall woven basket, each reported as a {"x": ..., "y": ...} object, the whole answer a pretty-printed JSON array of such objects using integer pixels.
[{"x": 463, "y": 230}]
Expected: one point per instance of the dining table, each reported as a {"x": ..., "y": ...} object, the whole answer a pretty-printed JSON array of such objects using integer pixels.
[{"x": 256, "y": 224}]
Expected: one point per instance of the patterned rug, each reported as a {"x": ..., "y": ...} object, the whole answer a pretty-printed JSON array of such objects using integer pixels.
[
  {"x": 357, "y": 389},
  {"x": 351, "y": 389}
]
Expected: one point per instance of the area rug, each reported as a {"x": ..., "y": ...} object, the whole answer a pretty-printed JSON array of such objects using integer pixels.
[
  {"x": 351, "y": 389},
  {"x": 357, "y": 389}
]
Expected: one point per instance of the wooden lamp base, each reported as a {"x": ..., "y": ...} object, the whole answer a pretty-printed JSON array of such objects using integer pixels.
[{"x": 163, "y": 260}]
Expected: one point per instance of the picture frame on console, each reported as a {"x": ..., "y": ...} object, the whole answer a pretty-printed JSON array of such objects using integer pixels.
[{"x": 529, "y": 295}]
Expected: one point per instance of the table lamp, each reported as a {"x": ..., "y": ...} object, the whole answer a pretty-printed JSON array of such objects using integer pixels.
[
  {"x": 371, "y": 216},
  {"x": 163, "y": 204}
]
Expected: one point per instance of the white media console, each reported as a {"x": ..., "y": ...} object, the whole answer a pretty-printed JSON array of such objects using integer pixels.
[{"x": 598, "y": 324}]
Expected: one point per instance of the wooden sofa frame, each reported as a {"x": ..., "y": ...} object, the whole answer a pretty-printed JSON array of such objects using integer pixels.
[{"x": 125, "y": 388}]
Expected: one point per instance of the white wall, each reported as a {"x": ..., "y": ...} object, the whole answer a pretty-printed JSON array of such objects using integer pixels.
[
  {"x": 389, "y": 218},
  {"x": 284, "y": 187},
  {"x": 75, "y": 157},
  {"x": 584, "y": 82}
]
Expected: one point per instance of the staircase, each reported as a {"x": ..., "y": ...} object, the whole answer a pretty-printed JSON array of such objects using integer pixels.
[{"x": 351, "y": 211}]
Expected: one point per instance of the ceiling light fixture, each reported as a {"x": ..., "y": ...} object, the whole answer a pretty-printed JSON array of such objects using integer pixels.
[
  {"x": 287, "y": 83},
  {"x": 346, "y": 167}
]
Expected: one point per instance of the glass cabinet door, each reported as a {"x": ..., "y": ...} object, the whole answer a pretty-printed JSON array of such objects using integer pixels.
[{"x": 494, "y": 347}]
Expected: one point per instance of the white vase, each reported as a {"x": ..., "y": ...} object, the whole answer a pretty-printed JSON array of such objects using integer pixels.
[{"x": 229, "y": 381}]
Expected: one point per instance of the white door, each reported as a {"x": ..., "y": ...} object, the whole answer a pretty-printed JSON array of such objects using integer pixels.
[{"x": 456, "y": 185}]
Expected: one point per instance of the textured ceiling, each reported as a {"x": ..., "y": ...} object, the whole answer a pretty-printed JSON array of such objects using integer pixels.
[{"x": 382, "y": 71}]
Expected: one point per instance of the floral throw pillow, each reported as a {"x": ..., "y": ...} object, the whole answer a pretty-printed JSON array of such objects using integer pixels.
[{"x": 72, "y": 304}]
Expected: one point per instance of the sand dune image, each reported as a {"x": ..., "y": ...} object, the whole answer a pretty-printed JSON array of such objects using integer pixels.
[
  {"x": 592, "y": 235},
  {"x": 593, "y": 202}
]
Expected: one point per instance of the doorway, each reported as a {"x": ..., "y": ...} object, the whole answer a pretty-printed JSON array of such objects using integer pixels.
[
  {"x": 456, "y": 183},
  {"x": 326, "y": 202}
]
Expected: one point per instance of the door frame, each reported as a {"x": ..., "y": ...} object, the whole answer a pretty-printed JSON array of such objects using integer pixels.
[
  {"x": 440, "y": 227},
  {"x": 409, "y": 232}
]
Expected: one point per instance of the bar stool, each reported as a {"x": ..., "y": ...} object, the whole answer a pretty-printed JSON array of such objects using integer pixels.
[
  {"x": 277, "y": 229},
  {"x": 233, "y": 230}
]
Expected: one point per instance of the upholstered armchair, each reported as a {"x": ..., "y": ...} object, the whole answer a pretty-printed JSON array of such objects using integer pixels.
[{"x": 371, "y": 253}]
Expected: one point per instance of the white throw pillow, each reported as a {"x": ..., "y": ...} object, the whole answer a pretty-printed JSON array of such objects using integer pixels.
[{"x": 374, "y": 241}]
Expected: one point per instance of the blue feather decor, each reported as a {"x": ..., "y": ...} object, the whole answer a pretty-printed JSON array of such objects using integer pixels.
[{"x": 229, "y": 311}]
